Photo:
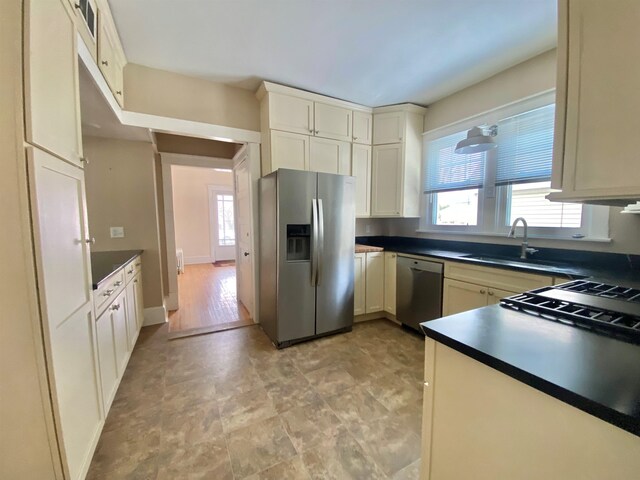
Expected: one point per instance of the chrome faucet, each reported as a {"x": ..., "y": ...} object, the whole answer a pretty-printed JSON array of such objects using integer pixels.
[{"x": 524, "y": 248}]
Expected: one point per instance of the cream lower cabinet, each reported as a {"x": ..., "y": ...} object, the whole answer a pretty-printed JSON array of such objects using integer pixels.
[
  {"x": 135, "y": 309},
  {"x": 360, "y": 268},
  {"x": 481, "y": 424},
  {"x": 467, "y": 287},
  {"x": 374, "y": 284},
  {"x": 107, "y": 357},
  {"x": 361, "y": 170},
  {"x": 64, "y": 281},
  {"x": 390, "y": 282}
]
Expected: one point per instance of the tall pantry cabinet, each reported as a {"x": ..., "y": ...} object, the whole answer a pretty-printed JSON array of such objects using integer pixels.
[{"x": 58, "y": 209}]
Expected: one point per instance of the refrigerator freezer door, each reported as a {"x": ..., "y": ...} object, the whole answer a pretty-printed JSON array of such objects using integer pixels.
[
  {"x": 296, "y": 294},
  {"x": 336, "y": 212}
]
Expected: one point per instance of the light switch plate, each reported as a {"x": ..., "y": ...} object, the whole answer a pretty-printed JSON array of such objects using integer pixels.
[{"x": 117, "y": 232}]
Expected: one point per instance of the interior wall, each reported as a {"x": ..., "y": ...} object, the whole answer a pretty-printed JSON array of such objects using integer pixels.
[
  {"x": 525, "y": 79},
  {"x": 121, "y": 191},
  {"x": 167, "y": 143},
  {"x": 157, "y": 165},
  {"x": 28, "y": 447},
  {"x": 168, "y": 94},
  {"x": 191, "y": 209}
]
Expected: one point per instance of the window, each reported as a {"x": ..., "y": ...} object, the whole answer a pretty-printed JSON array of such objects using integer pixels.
[
  {"x": 226, "y": 230},
  {"x": 484, "y": 193}
]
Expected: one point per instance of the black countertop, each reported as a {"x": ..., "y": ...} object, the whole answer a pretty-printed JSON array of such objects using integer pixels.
[
  {"x": 105, "y": 264},
  {"x": 572, "y": 264},
  {"x": 597, "y": 374}
]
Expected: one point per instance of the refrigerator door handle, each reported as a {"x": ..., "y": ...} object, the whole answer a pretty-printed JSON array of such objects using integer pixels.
[
  {"x": 320, "y": 257},
  {"x": 314, "y": 243}
]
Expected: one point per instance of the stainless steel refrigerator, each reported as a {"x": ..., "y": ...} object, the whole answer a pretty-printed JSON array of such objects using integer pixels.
[{"x": 307, "y": 241}]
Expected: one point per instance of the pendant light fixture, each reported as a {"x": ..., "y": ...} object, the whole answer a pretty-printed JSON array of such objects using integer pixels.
[{"x": 477, "y": 140}]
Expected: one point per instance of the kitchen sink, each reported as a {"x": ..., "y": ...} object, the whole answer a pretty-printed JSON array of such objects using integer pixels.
[{"x": 529, "y": 262}]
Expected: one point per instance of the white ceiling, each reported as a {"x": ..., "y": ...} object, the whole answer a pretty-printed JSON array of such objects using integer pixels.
[{"x": 373, "y": 52}]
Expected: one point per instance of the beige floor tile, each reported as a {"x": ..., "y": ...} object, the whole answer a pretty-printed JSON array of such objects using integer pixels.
[
  {"x": 288, "y": 470},
  {"x": 340, "y": 458},
  {"x": 410, "y": 472},
  {"x": 196, "y": 424},
  {"x": 356, "y": 405},
  {"x": 206, "y": 460},
  {"x": 393, "y": 392},
  {"x": 288, "y": 393},
  {"x": 307, "y": 426},
  {"x": 277, "y": 370},
  {"x": 180, "y": 396},
  {"x": 330, "y": 380},
  {"x": 259, "y": 446},
  {"x": 246, "y": 408}
]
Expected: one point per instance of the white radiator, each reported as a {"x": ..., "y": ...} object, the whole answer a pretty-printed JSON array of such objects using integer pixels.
[{"x": 180, "y": 260}]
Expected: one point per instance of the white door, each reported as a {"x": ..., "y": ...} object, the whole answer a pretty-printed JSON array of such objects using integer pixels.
[
  {"x": 244, "y": 265},
  {"x": 64, "y": 278},
  {"x": 222, "y": 223},
  {"x": 329, "y": 156}
]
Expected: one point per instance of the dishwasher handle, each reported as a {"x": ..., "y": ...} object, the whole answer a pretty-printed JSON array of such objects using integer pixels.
[{"x": 420, "y": 265}]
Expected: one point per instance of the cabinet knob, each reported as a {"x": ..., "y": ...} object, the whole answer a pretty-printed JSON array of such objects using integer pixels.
[
  {"x": 317, "y": 132},
  {"x": 105, "y": 63},
  {"x": 490, "y": 292},
  {"x": 91, "y": 240},
  {"x": 426, "y": 384},
  {"x": 76, "y": 5},
  {"x": 135, "y": 281},
  {"x": 115, "y": 307},
  {"x": 310, "y": 131},
  {"x": 482, "y": 290},
  {"x": 129, "y": 272},
  {"x": 84, "y": 160},
  {"x": 119, "y": 92},
  {"x": 137, "y": 264},
  {"x": 107, "y": 293},
  {"x": 355, "y": 138},
  {"x": 118, "y": 283}
]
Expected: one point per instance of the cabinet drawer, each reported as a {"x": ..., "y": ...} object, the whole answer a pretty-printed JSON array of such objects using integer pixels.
[
  {"x": 107, "y": 291},
  {"x": 132, "y": 268},
  {"x": 496, "y": 277}
]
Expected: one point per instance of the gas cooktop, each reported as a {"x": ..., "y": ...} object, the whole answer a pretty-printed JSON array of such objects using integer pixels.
[{"x": 610, "y": 310}]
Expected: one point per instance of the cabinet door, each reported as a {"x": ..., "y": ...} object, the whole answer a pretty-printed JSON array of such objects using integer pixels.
[
  {"x": 290, "y": 114},
  {"x": 362, "y": 127},
  {"x": 494, "y": 295},
  {"x": 58, "y": 213},
  {"x": 386, "y": 185},
  {"x": 361, "y": 169},
  {"x": 132, "y": 322},
  {"x": 388, "y": 128},
  {"x": 461, "y": 296},
  {"x": 139, "y": 301},
  {"x": 332, "y": 122},
  {"x": 374, "y": 283},
  {"x": 390, "y": 282},
  {"x": 602, "y": 90},
  {"x": 329, "y": 156},
  {"x": 121, "y": 341},
  {"x": 289, "y": 150},
  {"x": 51, "y": 95},
  {"x": 106, "y": 52},
  {"x": 107, "y": 357},
  {"x": 359, "y": 283},
  {"x": 118, "y": 78}
]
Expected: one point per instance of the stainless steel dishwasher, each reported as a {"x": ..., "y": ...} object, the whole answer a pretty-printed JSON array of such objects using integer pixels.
[{"x": 419, "y": 291}]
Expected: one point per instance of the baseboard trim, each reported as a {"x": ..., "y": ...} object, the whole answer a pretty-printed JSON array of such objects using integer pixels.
[
  {"x": 197, "y": 260},
  {"x": 376, "y": 316},
  {"x": 154, "y": 316}
]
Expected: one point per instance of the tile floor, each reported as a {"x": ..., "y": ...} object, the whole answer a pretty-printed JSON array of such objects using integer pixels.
[
  {"x": 207, "y": 295},
  {"x": 229, "y": 405}
]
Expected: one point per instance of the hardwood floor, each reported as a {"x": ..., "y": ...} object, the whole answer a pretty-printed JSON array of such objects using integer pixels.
[{"x": 208, "y": 300}]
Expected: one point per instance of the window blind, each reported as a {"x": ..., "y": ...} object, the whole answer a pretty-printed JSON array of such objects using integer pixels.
[
  {"x": 525, "y": 146},
  {"x": 446, "y": 170}
]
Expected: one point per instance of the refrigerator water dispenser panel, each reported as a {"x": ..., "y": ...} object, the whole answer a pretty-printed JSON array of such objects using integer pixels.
[{"x": 298, "y": 243}]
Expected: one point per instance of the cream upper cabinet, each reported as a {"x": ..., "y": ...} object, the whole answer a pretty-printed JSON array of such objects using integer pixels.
[
  {"x": 289, "y": 150},
  {"x": 64, "y": 281},
  {"x": 386, "y": 184},
  {"x": 87, "y": 24},
  {"x": 361, "y": 170},
  {"x": 462, "y": 296},
  {"x": 290, "y": 114},
  {"x": 52, "y": 104},
  {"x": 388, "y": 127},
  {"x": 118, "y": 84},
  {"x": 397, "y": 161},
  {"x": 329, "y": 156},
  {"x": 390, "y": 282},
  {"x": 362, "y": 127},
  {"x": 374, "y": 283},
  {"x": 331, "y": 121},
  {"x": 107, "y": 51},
  {"x": 359, "y": 282},
  {"x": 597, "y": 106}
]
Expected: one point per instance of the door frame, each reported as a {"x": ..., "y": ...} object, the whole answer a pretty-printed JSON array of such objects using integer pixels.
[{"x": 212, "y": 190}]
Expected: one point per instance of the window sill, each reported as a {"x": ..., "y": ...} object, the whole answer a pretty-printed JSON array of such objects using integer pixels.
[{"x": 502, "y": 235}]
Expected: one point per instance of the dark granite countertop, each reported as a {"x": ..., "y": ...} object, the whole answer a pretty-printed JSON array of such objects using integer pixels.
[
  {"x": 572, "y": 264},
  {"x": 597, "y": 374},
  {"x": 105, "y": 264}
]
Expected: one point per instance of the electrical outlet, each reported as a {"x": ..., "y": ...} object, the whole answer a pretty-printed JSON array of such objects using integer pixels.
[{"x": 117, "y": 232}]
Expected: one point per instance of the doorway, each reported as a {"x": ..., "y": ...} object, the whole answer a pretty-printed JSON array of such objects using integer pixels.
[{"x": 204, "y": 219}]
